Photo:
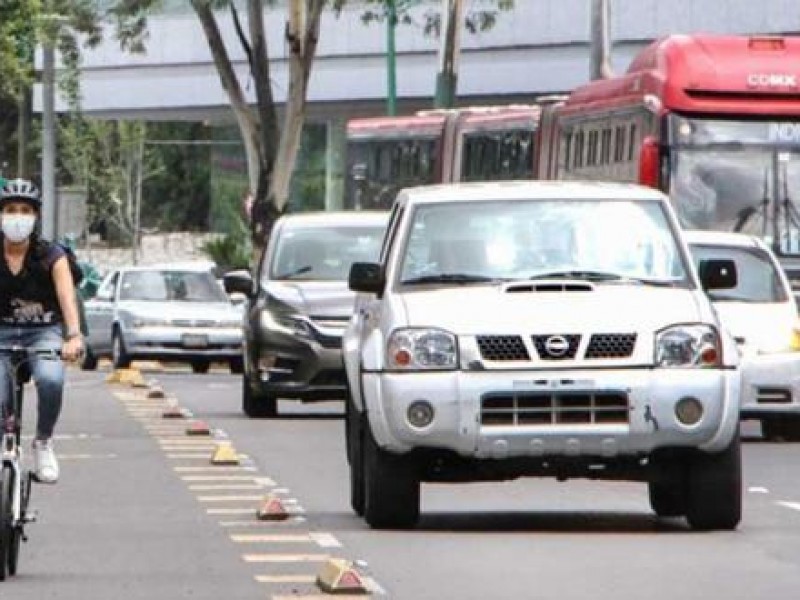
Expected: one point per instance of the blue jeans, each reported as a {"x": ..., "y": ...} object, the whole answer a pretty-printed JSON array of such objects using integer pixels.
[{"x": 48, "y": 373}]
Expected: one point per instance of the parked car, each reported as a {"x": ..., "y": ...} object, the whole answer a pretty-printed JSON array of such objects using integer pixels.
[
  {"x": 552, "y": 329},
  {"x": 760, "y": 313},
  {"x": 163, "y": 312},
  {"x": 299, "y": 305}
]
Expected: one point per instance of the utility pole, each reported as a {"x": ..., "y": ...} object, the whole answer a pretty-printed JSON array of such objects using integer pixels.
[
  {"x": 49, "y": 212},
  {"x": 391, "y": 58},
  {"x": 447, "y": 77},
  {"x": 600, "y": 62}
]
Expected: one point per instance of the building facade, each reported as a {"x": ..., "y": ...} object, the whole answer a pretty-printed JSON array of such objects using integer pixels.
[{"x": 539, "y": 47}]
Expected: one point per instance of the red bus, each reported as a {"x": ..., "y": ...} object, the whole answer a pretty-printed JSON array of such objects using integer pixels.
[
  {"x": 712, "y": 120},
  {"x": 386, "y": 154}
]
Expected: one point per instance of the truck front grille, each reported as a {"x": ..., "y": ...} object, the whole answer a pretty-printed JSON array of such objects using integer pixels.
[
  {"x": 531, "y": 408},
  {"x": 502, "y": 347}
]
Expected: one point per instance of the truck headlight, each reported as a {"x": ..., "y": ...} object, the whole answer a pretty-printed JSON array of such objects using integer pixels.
[
  {"x": 688, "y": 346},
  {"x": 422, "y": 349}
]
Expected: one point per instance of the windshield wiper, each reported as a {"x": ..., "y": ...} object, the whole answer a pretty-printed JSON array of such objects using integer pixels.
[
  {"x": 586, "y": 275},
  {"x": 296, "y": 272},
  {"x": 449, "y": 278},
  {"x": 602, "y": 276}
]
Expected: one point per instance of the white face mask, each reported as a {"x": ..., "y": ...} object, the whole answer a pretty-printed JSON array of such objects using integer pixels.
[{"x": 17, "y": 228}]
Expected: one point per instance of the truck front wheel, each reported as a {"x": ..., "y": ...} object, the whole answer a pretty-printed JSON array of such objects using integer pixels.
[
  {"x": 391, "y": 488},
  {"x": 714, "y": 491}
]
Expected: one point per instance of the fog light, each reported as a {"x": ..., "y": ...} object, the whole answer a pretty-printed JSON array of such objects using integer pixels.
[
  {"x": 420, "y": 413},
  {"x": 689, "y": 410}
]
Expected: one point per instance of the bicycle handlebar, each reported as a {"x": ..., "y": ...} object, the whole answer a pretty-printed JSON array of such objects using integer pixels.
[{"x": 19, "y": 349}]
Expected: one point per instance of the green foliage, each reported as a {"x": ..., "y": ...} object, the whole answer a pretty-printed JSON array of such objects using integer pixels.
[
  {"x": 231, "y": 250},
  {"x": 479, "y": 15}
]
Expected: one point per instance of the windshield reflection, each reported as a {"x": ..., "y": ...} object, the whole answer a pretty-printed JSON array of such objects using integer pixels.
[
  {"x": 737, "y": 176},
  {"x": 480, "y": 242}
]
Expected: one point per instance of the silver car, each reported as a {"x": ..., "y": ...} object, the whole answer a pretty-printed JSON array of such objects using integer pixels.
[
  {"x": 170, "y": 313},
  {"x": 299, "y": 306}
]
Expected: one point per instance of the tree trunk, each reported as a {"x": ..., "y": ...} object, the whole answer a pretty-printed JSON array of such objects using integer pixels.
[{"x": 302, "y": 35}]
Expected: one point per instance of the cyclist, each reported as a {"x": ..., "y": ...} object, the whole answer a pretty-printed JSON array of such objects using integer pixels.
[{"x": 37, "y": 310}]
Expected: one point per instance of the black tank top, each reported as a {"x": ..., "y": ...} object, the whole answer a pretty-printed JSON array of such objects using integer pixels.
[{"x": 29, "y": 299}]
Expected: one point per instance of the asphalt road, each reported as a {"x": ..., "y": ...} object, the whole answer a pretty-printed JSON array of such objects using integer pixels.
[{"x": 141, "y": 513}]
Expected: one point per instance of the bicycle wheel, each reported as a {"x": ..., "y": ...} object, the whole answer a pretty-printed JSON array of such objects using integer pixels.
[
  {"x": 6, "y": 517},
  {"x": 16, "y": 532}
]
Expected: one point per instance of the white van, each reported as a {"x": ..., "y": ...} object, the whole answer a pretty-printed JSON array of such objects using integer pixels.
[
  {"x": 554, "y": 329},
  {"x": 761, "y": 314}
]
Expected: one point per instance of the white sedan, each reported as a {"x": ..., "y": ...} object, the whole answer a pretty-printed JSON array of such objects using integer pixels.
[{"x": 761, "y": 314}]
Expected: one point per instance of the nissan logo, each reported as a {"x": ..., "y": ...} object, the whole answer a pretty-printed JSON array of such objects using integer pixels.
[{"x": 556, "y": 345}]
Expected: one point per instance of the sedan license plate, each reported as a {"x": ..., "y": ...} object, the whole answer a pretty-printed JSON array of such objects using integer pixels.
[{"x": 193, "y": 340}]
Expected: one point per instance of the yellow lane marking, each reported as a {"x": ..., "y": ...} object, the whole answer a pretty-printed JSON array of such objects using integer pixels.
[{"x": 284, "y": 558}]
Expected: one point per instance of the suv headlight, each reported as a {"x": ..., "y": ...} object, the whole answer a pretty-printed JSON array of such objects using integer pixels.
[
  {"x": 294, "y": 324},
  {"x": 422, "y": 349},
  {"x": 688, "y": 346}
]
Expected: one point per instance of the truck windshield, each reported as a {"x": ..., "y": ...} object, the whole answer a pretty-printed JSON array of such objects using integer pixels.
[{"x": 485, "y": 242}]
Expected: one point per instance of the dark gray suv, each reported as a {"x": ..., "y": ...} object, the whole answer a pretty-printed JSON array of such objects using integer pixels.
[{"x": 299, "y": 304}]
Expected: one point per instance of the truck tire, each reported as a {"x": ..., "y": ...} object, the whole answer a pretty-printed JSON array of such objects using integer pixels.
[
  {"x": 391, "y": 488},
  {"x": 667, "y": 488},
  {"x": 714, "y": 490},
  {"x": 353, "y": 433}
]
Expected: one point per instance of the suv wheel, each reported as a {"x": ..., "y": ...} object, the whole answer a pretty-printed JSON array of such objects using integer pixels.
[
  {"x": 354, "y": 444},
  {"x": 256, "y": 405},
  {"x": 391, "y": 488},
  {"x": 714, "y": 494},
  {"x": 236, "y": 365}
]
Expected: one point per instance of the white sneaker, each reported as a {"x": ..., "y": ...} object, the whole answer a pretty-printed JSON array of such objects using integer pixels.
[{"x": 44, "y": 459}]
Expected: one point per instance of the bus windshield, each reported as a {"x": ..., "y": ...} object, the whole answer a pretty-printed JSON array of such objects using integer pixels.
[{"x": 737, "y": 176}]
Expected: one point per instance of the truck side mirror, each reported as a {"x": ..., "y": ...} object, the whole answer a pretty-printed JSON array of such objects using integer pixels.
[
  {"x": 717, "y": 274},
  {"x": 366, "y": 277}
]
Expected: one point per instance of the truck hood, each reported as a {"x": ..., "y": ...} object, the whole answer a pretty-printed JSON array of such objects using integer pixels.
[{"x": 477, "y": 310}]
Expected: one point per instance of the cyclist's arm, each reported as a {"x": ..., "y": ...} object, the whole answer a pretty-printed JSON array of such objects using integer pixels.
[{"x": 65, "y": 290}]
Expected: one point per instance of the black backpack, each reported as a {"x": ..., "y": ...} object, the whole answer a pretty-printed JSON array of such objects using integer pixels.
[{"x": 74, "y": 268}]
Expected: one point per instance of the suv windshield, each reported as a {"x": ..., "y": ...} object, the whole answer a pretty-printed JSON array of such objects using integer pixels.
[
  {"x": 758, "y": 279},
  {"x": 182, "y": 286},
  {"x": 323, "y": 253},
  {"x": 604, "y": 241}
]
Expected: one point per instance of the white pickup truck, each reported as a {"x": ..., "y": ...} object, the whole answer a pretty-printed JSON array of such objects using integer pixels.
[{"x": 547, "y": 329}]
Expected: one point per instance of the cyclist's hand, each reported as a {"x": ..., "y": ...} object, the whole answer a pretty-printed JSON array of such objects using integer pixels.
[{"x": 72, "y": 349}]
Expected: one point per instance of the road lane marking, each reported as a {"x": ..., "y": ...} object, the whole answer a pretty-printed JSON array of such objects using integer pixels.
[
  {"x": 258, "y": 523},
  {"x": 229, "y": 498},
  {"x": 792, "y": 505},
  {"x": 256, "y": 538},
  {"x": 216, "y": 469},
  {"x": 231, "y": 511},
  {"x": 325, "y": 540},
  {"x": 758, "y": 490},
  {"x": 286, "y": 579},
  {"x": 285, "y": 558},
  {"x": 230, "y": 486},
  {"x": 200, "y": 478},
  {"x": 192, "y": 455}
]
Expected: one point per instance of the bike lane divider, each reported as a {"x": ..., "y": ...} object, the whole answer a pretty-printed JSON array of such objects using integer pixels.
[{"x": 229, "y": 487}]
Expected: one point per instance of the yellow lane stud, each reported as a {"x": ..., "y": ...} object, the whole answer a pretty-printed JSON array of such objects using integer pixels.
[
  {"x": 272, "y": 509},
  {"x": 123, "y": 375},
  {"x": 338, "y": 576},
  {"x": 225, "y": 455},
  {"x": 198, "y": 428}
]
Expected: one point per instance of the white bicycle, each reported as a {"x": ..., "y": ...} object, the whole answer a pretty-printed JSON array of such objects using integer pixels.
[{"x": 15, "y": 479}]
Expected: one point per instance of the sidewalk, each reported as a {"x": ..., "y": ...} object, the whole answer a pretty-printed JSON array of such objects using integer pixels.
[{"x": 119, "y": 524}]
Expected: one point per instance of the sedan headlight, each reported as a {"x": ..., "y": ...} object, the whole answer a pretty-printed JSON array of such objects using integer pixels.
[
  {"x": 688, "y": 346},
  {"x": 422, "y": 349}
]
